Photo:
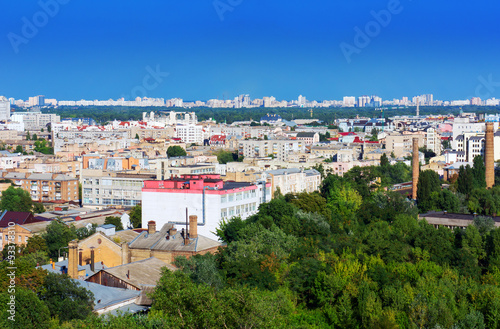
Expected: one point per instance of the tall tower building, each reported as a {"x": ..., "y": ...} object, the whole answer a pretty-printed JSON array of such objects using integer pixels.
[
  {"x": 489, "y": 158},
  {"x": 415, "y": 167}
]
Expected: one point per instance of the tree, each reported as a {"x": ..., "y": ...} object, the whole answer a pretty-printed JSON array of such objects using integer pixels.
[
  {"x": 38, "y": 208},
  {"x": 384, "y": 161},
  {"x": 57, "y": 236},
  {"x": 136, "y": 216},
  {"x": 479, "y": 172},
  {"x": 35, "y": 137},
  {"x": 28, "y": 136},
  {"x": 176, "y": 151},
  {"x": 137, "y": 136},
  {"x": 19, "y": 149},
  {"x": 29, "y": 311},
  {"x": 114, "y": 220},
  {"x": 36, "y": 243},
  {"x": 16, "y": 199},
  {"x": 225, "y": 156},
  {"x": 428, "y": 188},
  {"x": 66, "y": 298},
  {"x": 465, "y": 181}
]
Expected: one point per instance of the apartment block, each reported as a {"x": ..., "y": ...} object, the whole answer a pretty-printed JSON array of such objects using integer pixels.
[
  {"x": 280, "y": 149},
  {"x": 102, "y": 188},
  {"x": 46, "y": 187},
  {"x": 294, "y": 180}
]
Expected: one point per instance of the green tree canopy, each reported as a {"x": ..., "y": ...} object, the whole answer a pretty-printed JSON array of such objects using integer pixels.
[
  {"x": 57, "y": 236},
  {"x": 114, "y": 220},
  {"x": 16, "y": 199},
  {"x": 136, "y": 216},
  {"x": 176, "y": 151}
]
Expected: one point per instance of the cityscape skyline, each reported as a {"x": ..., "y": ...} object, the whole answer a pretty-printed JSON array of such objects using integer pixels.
[{"x": 202, "y": 51}]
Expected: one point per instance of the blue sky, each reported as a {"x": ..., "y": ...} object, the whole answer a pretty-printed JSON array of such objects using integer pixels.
[{"x": 101, "y": 49}]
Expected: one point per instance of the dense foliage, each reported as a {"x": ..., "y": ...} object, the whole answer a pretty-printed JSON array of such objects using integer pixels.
[
  {"x": 16, "y": 199},
  {"x": 351, "y": 256},
  {"x": 176, "y": 151}
]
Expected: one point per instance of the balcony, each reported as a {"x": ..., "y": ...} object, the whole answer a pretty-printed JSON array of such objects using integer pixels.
[
  {"x": 45, "y": 188},
  {"x": 34, "y": 188}
]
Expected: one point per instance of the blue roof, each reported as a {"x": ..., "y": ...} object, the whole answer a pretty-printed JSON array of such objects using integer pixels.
[
  {"x": 107, "y": 296},
  {"x": 107, "y": 226}
]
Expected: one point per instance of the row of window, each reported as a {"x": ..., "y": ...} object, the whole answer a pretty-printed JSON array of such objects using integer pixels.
[
  {"x": 19, "y": 238},
  {"x": 114, "y": 202},
  {"x": 238, "y": 196},
  {"x": 238, "y": 210}
]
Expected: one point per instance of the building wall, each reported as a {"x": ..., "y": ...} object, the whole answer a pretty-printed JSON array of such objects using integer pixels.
[
  {"x": 105, "y": 250},
  {"x": 21, "y": 236},
  {"x": 51, "y": 190},
  {"x": 164, "y": 206},
  {"x": 104, "y": 189}
]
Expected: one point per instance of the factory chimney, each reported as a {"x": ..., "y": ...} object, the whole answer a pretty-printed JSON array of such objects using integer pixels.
[
  {"x": 489, "y": 160},
  {"x": 416, "y": 168}
]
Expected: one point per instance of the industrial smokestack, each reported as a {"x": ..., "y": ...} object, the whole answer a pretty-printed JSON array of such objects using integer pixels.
[
  {"x": 416, "y": 169},
  {"x": 489, "y": 159}
]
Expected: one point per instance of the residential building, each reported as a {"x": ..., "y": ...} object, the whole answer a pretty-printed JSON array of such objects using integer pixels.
[
  {"x": 4, "y": 109},
  {"x": 104, "y": 188},
  {"x": 294, "y": 180},
  {"x": 401, "y": 144},
  {"x": 12, "y": 228},
  {"x": 280, "y": 149},
  {"x": 190, "y": 134},
  {"x": 58, "y": 188},
  {"x": 206, "y": 196},
  {"x": 34, "y": 121},
  {"x": 308, "y": 137}
]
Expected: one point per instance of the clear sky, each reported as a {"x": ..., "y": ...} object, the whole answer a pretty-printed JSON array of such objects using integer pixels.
[{"x": 106, "y": 49}]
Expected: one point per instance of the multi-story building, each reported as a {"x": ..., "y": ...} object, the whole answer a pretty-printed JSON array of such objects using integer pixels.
[
  {"x": 103, "y": 189},
  {"x": 190, "y": 134},
  {"x": 280, "y": 149},
  {"x": 206, "y": 196},
  {"x": 35, "y": 120},
  {"x": 401, "y": 144},
  {"x": 433, "y": 141},
  {"x": 46, "y": 187},
  {"x": 4, "y": 109},
  {"x": 294, "y": 180}
]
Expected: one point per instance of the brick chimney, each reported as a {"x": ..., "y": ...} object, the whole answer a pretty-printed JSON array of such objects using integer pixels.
[
  {"x": 125, "y": 253},
  {"x": 489, "y": 158},
  {"x": 73, "y": 259},
  {"x": 193, "y": 226},
  {"x": 92, "y": 259},
  {"x": 151, "y": 227},
  {"x": 415, "y": 167}
]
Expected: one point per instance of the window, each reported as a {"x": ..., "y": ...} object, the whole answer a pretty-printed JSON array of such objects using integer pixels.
[
  {"x": 223, "y": 199},
  {"x": 230, "y": 197}
]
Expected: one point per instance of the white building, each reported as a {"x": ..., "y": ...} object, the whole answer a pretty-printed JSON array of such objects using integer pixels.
[
  {"x": 280, "y": 149},
  {"x": 4, "y": 109},
  {"x": 294, "y": 180},
  {"x": 190, "y": 134},
  {"x": 206, "y": 196}
]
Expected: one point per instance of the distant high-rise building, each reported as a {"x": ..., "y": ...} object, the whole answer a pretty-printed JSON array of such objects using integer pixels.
[
  {"x": 301, "y": 101},
  {"x": 4, "y": 109},
  {"x": 349, "y": 101}
]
